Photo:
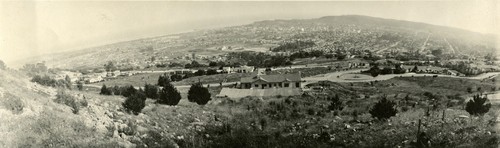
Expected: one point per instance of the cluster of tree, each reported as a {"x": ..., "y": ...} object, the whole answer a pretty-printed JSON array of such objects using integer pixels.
[
  {"x": 110, "y": 66},
  {"x": 375, "y": 70},
  {"x": 461, "y": 67},
  {"x": 307, "y": 54},
  {"x": 47, "y": 81},
  {"x": 35, "y": 69},
  {"x": 168, "y": 94},
  {"x": 194, "y": 64},
  {"x": 293, "y": 46}
]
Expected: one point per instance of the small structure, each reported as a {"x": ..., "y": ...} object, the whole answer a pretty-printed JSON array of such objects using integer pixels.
[
  {"x": 240, "y": 69},
  {"x": 271, "y": 81}
]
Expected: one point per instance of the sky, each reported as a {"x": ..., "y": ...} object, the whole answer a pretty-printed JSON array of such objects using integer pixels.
[{"x": 33, "y": 28}]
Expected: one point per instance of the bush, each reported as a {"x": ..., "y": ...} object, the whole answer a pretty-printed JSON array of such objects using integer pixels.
[
  {"x": 384, "y": 109},
  {"x": 199, "y": 94},
  {"x": 212, "y": 72},
  {"x": 47, "y": 81},
  {"x": 79, "y": 85},
  {"x": 128, "y": 91},
  {"x": 151, "y": 91},
  {"x": 477, "y": 106},
  {"x": 176, "y": 77},
  {"x": 105, "y": 90},
  {"x": 336, "y": 103},
  {"x": 163, "y": 80},
  {"x": 169, "y": 95},
  {"x": 14, "y": 103},
  {"x": 62, "y": 97},
  {"x": 135, "y": 103},
  {"x": 200, "y": 72}
]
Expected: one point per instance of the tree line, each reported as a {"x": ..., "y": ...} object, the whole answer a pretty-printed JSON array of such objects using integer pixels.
[{"x": 163, "y": 93}]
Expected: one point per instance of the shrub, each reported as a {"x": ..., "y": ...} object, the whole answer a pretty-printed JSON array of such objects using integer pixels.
[
  {"x": 105, "y": 90},
  {"x": 477, "y": 106},
  {"x": 151, "y": 91},
  {"x": 336, "y": 103},
  {"x": 62, "y": 97},
  {"x": 469, "y": 89},
  {"x": 199, "y": 94},
  {"x": 163, "y": 80},
  {"x": 128, "y": 91},
  {"x": 13, "y": 103},
  {"x": 79, "y": 85},
  {"x": 383, "y": 109},
  {"x": 212, "y": 72},
  {"x": 169, "y": 95},
  {"x": 176, "y": 77},
  {"x": 135, "y": 103}
]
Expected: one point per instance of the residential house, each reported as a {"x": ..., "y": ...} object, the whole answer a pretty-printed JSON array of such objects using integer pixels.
[
  {"x": 271, "y": 81},
  {"x": 240, "y": 69},
  {"x": 453, "y": 72}
]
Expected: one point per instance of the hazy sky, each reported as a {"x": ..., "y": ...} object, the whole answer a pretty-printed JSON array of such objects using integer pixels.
[{"x": 33, "y": 28}]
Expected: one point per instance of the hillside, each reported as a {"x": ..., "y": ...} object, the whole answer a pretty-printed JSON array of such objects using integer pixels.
[{"x": 349, "y": 32}]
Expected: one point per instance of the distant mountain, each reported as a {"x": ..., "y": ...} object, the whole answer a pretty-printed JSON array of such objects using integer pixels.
[{"x": 346, "y": 32}]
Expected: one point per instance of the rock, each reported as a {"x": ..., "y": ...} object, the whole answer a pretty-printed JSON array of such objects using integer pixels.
[
  {"x": 115, "y": 134},
  {"x": 142, "y": 129},
  {"x": 124, "y": 136},
  {"x": 123, "y": 126}
]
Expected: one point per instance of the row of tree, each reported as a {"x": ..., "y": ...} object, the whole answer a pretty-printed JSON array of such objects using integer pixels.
[
  {"x": 164, "y": 93},
  {"x": 398, "y": 69},
  {"x": 48, "y": 81}
]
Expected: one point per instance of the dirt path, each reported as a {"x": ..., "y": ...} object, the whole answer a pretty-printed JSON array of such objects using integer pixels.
[{"x": 425, "y": 43}]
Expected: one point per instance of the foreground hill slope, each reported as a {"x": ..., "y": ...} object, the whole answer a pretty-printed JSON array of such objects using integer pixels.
[{"x": 31, "y": 118}]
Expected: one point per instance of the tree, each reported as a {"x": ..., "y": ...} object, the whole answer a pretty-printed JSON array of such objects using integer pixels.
[
  {"x": 105, "y": 90},
  {"x": 199, "y": 94},
  {"x": 163, "y": 80},
  {"x": 437, "y": 52},
  {"x": 151, "y": 91},
  {"x": 329, "y": 56},
  {"x": 211, "y": 72},
  {"x": 200, "y": 72},
  {"x": 386, "y": 70},
  {"x": 383, "y": 109},
  {"x": 110, "y": 66},
  {"x": 79, "y": 85},
  {"x": 67, "y": 80},
  {"x": 176, "y": 77},
  {"x": 477, "y": 106},
  {"x": 336, "y": 103},
  {"x": 128, "y": 91},
  {"x": 398, "y": 69},
  {"x": 415, "y": 69},
  {"x": 374, "y": 71},
  {"x": 169, "y": 95},
  {"x": 135, "y": 102},
  {"x": 212, "y": 64}
]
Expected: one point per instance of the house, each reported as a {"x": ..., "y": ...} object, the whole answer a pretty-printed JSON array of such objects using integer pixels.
[
  {"x": 74, "y": 76},
  {"x": 453, "y": 72},
  {"x": 271, "y": 81},
  {"x": 241, "y": 69},
  {"x": 94, "y": 78}
]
